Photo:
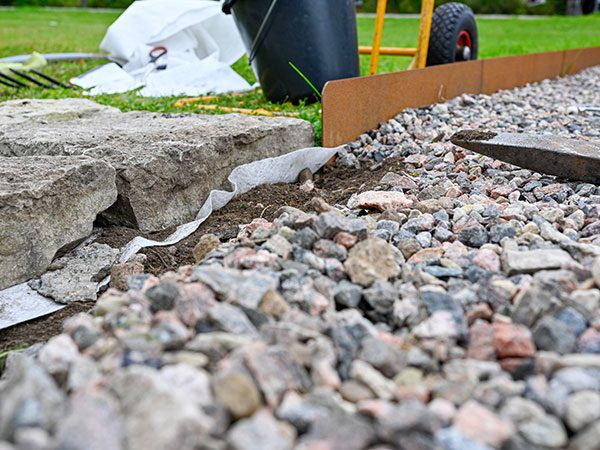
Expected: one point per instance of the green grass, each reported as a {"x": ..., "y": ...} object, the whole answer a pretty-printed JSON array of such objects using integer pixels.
[
  {"x": 23, "y": 30},
  {"x": 52, "y": 30},
  {"x": 497, "y": 37},
  {"x": 4, "y": 355}
]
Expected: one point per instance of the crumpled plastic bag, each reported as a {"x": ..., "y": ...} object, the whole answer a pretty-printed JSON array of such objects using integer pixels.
[{"x": 201, "y": 41}]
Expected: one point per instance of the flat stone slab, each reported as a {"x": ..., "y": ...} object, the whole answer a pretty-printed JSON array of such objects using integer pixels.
[
  {"x": 47, "y": 203},
  {"x": 18, "y": 112},
  {"x": 75, "y": 276},
  {"x": 166, "y": 164}
]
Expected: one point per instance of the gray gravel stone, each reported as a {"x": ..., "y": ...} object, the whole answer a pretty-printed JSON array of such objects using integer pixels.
[
  {"x": 329, "y": 224},
  {"x": 552, "y": 334},
  {"x": 474, "y": 236},
  {"x": 146, "y": 398},
  {"x": 238, "y": 393},
  {"x": 30, "y": 397},
  {"x": 301, "y": 412},
  {"x": 572, "y": 319},
  {"x": 372, "y": 259},
  {"x": 93, "y": 423},
  {"x": 386, "y": 358},
  {"x": 587, "y": 439},
  {"x": 381, "y": 297},
  {"x": 261, "y": 432},
  {"x": 338, "y": 430},
  {"x": 163, "y": 296},
  {"x": 57, "y": 356},
  {"x": 452, "y": 439},
  {"x": 534, "y": 260},
  {"x": 348, "y": 294},
  {"x": 583, "y": 408},
  {"x": 544, "y": 431},
  {"x": 230, "y": 319},
  {"x": 244, "y": 287}
]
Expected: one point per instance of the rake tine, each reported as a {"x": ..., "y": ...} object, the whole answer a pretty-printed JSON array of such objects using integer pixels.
[
  {"x": 14, "y": 82},
  {"x": 33, "y": 80},
  {"x": 50, "y": 79},
  {"x": 6, "y": 83}
]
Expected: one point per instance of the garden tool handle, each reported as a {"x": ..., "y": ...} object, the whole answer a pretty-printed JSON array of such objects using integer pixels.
[
  {"x": 260, "y": 34},
  {"x": 227, "y": 5}
]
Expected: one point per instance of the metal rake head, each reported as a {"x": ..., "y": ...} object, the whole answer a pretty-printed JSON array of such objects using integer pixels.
[
  {"x": 18, "y": 79},
  {"x": 28, "y": 74}
]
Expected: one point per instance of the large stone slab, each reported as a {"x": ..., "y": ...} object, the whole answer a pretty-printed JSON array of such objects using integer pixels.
[
  {"x": 166, "y": 164},
  {"x": 47, "y": 203},
  {"x": 16, "y": 112}
]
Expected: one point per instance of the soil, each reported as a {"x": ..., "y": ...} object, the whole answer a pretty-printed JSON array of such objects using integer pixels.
[
  {"x": 333, "y": 184},
  {"x": 472, "y": 135},
  {"x": 40, "y": 329}
]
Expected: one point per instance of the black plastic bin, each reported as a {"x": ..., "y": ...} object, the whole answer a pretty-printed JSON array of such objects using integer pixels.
[{"x": 317, "y": 36}]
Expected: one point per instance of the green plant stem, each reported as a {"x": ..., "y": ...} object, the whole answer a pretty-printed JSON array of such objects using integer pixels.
[{"x": 305, "y": 78}]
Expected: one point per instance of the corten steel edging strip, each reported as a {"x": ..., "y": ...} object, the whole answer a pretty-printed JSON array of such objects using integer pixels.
[
  {"x": 356, "y": 105},
  {"x": 579, "y": 59},
  {"x": 509, "y": 72}
]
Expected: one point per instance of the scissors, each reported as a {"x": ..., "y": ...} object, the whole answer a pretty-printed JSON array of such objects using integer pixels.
[{"x": 155, "y": 54}]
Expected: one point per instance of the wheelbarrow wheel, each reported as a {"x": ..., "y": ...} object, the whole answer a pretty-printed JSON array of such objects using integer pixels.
[{"x": 453, "y": 35}]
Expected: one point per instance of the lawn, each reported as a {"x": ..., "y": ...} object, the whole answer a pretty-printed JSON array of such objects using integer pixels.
[{"x": 23, "y": 30}]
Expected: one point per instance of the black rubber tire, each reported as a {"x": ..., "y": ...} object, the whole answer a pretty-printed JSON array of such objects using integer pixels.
[{"x": 448, "y": 21}]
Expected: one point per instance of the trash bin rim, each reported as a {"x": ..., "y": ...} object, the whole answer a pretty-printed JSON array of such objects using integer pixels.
[
  {"x": 262, "y": 29},
  {"x": 227, "y": 5}
]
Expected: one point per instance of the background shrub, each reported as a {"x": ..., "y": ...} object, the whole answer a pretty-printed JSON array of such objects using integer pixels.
[
  {"x": 479, "y": 6},
  {"x": 122, "y": 4},
  {"x": 400, "y": 6}
]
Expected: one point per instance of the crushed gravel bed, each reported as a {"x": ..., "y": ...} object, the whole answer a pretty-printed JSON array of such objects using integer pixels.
[{"x": 450, "y": 302}]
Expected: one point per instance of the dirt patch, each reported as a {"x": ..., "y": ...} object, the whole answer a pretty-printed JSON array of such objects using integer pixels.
[
  {"x": 40, "y": 329},
  {"x": 334, "y": 184},
  {"x": 472, "y": 135}
]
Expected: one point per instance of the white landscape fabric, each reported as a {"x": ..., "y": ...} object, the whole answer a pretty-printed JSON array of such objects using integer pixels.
[{"x": 202, "y": 43}]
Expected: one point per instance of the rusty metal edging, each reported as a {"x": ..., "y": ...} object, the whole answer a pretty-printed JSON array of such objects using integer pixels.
[
  {"x": 516, "y": 71},
  {"x": 580, "y": 58},
  {"x": 355, "y": 105}
]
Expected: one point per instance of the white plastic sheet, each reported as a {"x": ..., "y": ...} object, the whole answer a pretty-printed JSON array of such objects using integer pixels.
[
  {"x": 281, "y": 169},
  {"x": 21, "y": 303},
  {"x": 202, "y": 43}
]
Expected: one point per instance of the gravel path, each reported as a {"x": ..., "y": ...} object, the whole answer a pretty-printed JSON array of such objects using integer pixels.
[{"x": 456, "y": 306}]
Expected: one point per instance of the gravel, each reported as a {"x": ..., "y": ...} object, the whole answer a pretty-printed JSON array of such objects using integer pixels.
[{"x": 456, "y": 305}]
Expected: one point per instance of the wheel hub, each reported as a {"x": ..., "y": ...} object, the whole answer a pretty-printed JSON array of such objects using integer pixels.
[
  {"x": 466, "y": 53},
  {"x": 463, "y": 46}
]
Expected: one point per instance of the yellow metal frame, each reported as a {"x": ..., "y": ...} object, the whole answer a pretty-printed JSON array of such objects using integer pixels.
[{"x": 419, "y": 54}]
